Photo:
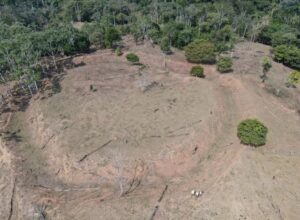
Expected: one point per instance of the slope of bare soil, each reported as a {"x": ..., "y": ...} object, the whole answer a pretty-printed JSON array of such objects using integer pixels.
[{"x": 140, "y": 131}]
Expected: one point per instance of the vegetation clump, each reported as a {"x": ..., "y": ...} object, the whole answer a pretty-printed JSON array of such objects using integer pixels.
[
  {"x": 133, "y": 58},
  {"x": 266, "y": 64},
  {"x": 252, "y": 132},
  {"x": 224, "y": 64},
  {"x": 100, "y": 35},
  {"x": 197, "y": 71},
  {"x": 294, "y": 79},
  {"x": 200, "y": 52},
  {"x": 165, "y": 45},
  {"x": 119, "y": 51},
  {"x": 288, "y": 55},
  {"x": 32, "y": 31}
]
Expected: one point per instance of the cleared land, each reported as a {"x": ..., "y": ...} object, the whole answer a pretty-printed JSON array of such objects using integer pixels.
[{"x": 116, "y": 127}]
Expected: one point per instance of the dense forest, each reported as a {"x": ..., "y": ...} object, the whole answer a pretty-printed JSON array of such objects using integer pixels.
[{"x": 34, "y": 30}]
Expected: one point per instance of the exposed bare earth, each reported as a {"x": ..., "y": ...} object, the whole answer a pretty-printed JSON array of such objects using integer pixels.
[{"x": 145, "y": 128}]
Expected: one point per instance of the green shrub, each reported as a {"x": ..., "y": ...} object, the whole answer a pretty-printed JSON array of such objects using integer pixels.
[
  {"x": 224, "y": 64},
  {"x": 197, "y": 71},
  {"x": 59, "y": 39},
  {"x": 119, "y": 52},
  {"x": 200, "y": 52},
  {"x": 288, "y": 55},
  {"x": 80, "y": 43},
  {"x": 252, "y": 132},
  {"x": 165, "y": 45},
  {"x": 294, "y": 78},
  {"x": 266, "y": 63},
  {"x": 155, "y": 35},
  {"x": 223, "y": 38},
  {"x": 133, "y": 58},
  {"x": 184, "y": 38},
  {"x": 95, "y": 33},
  {"x": 111, "y": 36}
]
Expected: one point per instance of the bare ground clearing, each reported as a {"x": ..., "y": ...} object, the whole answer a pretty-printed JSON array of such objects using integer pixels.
[{"x": 143, "y": 129}]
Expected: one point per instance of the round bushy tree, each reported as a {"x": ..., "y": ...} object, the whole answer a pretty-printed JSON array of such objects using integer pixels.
[
  {"x": 197, "y": 71},
  {"x": 200, "y": 51},
  {"x": 133, "y": 58},
  {"x": 252, "y": 132},
  {"x": 224, "y": 64},
  {"x": 165, "y": 45}
]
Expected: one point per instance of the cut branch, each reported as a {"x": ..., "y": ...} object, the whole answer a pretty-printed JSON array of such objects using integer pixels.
[
  {"x": 11, "y": 211},
  {"x": 154, "y": 212},
  {"x": 163, "y": 193},
  {"x": 94, "y": 151},
  {"x": 45, "y": 145}
]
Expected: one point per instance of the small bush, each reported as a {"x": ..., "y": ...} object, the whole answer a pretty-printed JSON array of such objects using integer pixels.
[
  {"x": 133, "y": 58},
  {"x": 197, "y": 71},
  {"x": 294, "y": 78},
  {"x": 119, "y": 52},
  {"x": 224, "y": 64},
  {"x": 252, "y": 132},
  {"x": 200, "y": 51},
  {"x": 266, "y": 64},
  {"x": 165, "y": 45}
]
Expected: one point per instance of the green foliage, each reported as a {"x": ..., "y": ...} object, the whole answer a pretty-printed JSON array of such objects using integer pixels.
[
  {"x": 277, "y": 34},
  {"x": 266, "y": 63},
  {"x": 95, "y": 32},
  {"x": 165, "y": 45},
  {"x": 184, "y": 38},
  {"x": 155, "y": 35},
  {"x": 20, "y": 53},
  {"x": 224, "y": 64},
  {"x": 197, "y": 71},
  {"x": 180, "y": 21},
  {"x": 101, "y": 35},
  {"x": 284, "y": 37},
  {"x": 252, "y": 132},
  {"x": 223, "y": 38},
  {"x": 111, "y": 36},
  {"x": 294, "y": 78},
  {"x": 62, "y": 39},
  {"x": 133, "y": 58},
  {"x": 200, "y": 52},
  {"x": 288, "y": 55},
  {"x": 119, "y": 51}
]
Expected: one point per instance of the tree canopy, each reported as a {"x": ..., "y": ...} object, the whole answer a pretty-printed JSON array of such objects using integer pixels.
[{"x": 31, "y": 29}]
